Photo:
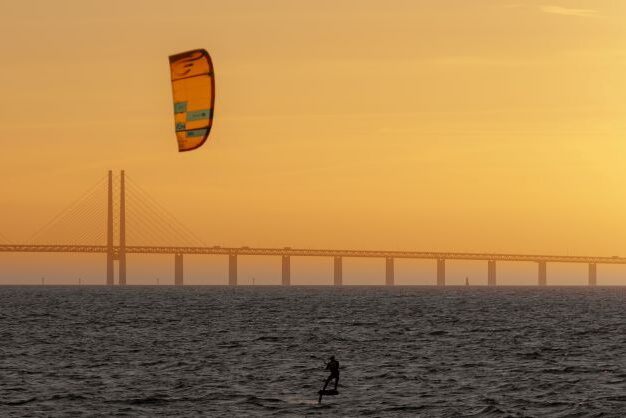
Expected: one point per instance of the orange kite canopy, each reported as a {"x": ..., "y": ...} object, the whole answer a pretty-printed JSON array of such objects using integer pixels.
[{"x": 193, "y": 89}]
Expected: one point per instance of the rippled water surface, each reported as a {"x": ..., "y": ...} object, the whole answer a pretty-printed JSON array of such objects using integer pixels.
[{"x": 218, "y": 351}]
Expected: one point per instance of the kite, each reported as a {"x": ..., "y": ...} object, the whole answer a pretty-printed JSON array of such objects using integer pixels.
[{"x": 193, "y": 90}]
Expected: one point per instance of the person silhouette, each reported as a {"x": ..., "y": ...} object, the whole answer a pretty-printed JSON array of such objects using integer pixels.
[{"x": 333, "y": 366}]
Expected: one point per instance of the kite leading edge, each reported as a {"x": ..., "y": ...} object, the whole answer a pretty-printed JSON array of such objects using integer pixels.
[{"x": 193, "y": 90}]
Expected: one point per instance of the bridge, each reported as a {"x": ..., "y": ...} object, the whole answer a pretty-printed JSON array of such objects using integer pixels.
[{"x": 155, "y": 223}]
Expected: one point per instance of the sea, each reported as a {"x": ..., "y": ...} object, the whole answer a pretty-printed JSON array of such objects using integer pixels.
[{"x": 217, "y": 351}]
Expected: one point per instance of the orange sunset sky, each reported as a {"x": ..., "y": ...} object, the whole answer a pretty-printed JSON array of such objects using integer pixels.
[{"x": 443, "y": 125}]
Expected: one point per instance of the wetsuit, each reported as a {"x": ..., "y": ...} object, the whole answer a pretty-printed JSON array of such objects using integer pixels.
[{"x": 333, "y": 366}]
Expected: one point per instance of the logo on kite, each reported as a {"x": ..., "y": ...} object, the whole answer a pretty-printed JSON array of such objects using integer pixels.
[{"x": 193, "y": 90}]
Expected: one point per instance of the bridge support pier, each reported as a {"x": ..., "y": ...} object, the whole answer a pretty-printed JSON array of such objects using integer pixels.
[
  {"x": 543, "y": 274},
  {"x": 232, "y": 269},
  {"x": 441, "y": 272},
  {"x": 338, "y": 271},
  {"x": 593, "y": 274},
  {"x": 389, "y": 272},
  {"x": 491, "y": 273},
  {"x": 178, "y": 269},
  {"x": 110, "y": 271},
  {"x": 286, "y": 277},
  {"x": 122, "y": 267}
]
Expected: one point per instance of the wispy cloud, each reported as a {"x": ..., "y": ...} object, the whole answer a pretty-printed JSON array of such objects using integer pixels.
[{"x": 558, "y": 10}]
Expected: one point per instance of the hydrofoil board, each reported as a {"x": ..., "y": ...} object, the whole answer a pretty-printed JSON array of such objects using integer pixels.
[{"x": 330, "y": 392}]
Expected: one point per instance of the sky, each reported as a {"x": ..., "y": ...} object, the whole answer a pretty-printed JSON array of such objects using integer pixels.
[{"x": 428, "y": 125}]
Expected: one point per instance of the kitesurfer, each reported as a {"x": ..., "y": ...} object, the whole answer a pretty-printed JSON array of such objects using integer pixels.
[{"x": 333, "y": 367}]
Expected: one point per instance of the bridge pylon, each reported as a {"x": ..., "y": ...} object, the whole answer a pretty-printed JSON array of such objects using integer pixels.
[
  {"x": 110, "y": 252},
  {"x": 122, "y": 249},
  {"x": 116, "y": 252}
]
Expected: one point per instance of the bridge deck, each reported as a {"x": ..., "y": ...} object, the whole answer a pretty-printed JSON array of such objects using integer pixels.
[{"x": 296, "y": 252}]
